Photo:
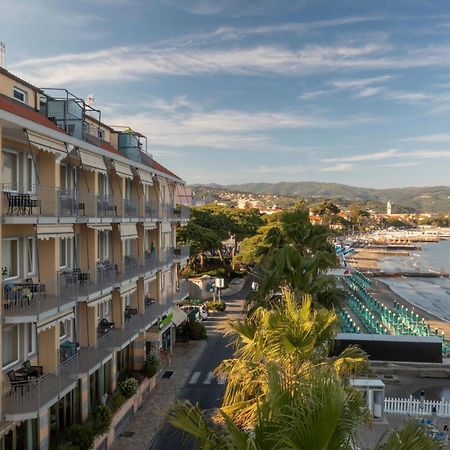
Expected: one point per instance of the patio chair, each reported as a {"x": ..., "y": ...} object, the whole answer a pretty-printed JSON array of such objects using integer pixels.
[{"x": 16, "y": 381}]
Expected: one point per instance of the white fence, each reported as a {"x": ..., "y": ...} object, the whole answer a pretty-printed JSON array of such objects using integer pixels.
[{"x": 414, "y": 407}]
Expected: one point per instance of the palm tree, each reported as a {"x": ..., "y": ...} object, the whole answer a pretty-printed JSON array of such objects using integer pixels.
[
  {"x": 294, "y": 337},
  {"x": 319, "y": 412}
]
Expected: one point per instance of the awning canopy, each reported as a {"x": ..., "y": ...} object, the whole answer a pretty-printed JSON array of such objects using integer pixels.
[
  {"x": 149, "y": 226},
  {"x": 92, "y": 162},
  {"x": 53, "y": 323},
  {"x": 62, "y": 231},
  {"x": 122, "y": 169},
  {"x": 100, "y": 226},
  {"x": 146, "y": 177},
  {"x": 46, "y": 144},
  {"x": 128, "y": 231},
  {"x": 129, "y": 290},
  {"x": 179, "y": 316},
  {"x": 98, "y": 301}
]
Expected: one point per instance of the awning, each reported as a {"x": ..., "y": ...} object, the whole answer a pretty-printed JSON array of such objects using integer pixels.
[
  {"x": 130, "y": 289},
  {"x": 62, "y": 231},
  {"x": 179, "y": 316},
  {"x": 92, "y": 162},
  {"x": 145, "y": 177},
  {"x": 98, "y": 301},
  {"x": 166, "y": 227},
  {"x": 128, "y": 231},
  {"x": 53, "y": 323},
  {"x": 149, "y": 225},
  {"x": 122, "y": 169},
  {"x": 46, "y": 144},
  {"x": 100, "y": 226}
]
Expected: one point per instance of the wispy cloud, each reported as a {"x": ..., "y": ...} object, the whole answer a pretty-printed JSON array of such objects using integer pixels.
[
  {"x": 441, "y": 137},
  {"x": 340, "y": 167},
  {"x": 390, "y": 153},
  {"x": 285, "y": 169}
]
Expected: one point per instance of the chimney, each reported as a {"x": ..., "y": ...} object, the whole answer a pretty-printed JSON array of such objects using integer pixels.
[{"x": 2, "y": 54}]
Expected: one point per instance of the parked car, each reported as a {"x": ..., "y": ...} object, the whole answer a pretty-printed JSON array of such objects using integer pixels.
[{"x": 202, "y": 312}]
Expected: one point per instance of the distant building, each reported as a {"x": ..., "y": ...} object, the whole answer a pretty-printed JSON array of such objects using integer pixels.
[{"x": 389, "y": 208}]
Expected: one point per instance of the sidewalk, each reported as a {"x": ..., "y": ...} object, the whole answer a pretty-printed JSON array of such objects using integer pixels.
[{"x": 145, "y": 423}]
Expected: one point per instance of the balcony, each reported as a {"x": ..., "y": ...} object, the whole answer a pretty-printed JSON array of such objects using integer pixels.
[
  {"x": 105, "y": 206},
  {"x": 152, "y": 210},
  {"x": 153, "y": 310},
  {"x": 24, "y": 400},
  {"x": 38, "y": 200},
  {"x": 31, "y": 302},
  {"x": 182, "y": 213},
  {"x": 91, "y": 358},
  {"x": 182, "y": 292},
  {"x": 181, "y": 253},
  {"x": 99, "y": 280},
  {"x": 128, "y": 332},
  {"x": 130, "y": 208},
  {"x": 131, "y": 269}
]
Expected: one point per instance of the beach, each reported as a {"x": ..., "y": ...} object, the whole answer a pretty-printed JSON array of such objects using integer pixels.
[{"x": 430, "y": 297}]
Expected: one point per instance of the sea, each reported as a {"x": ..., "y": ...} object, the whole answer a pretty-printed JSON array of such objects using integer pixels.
[{"x": 431, "y": 294}]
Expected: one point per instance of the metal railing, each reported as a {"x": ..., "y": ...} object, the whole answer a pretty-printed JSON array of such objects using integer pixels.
[
  {"x": 182, "y": 212},
  {"x": 130, "y": 207},
  {"x": 106, "y": 206},
  {"x": 26, "y": 398},
  {"x": 182, "y": 292},
  {"x": 151, "y": 210},
  {"x": 181, "y": 252},
  {"x": 130, "y": 329},
  {"x": 97, "y": 280},
  {"x": 34, "y": 299}
]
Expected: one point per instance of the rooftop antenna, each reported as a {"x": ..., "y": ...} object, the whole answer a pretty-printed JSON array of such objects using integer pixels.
[{"x": 2, "y": 54}]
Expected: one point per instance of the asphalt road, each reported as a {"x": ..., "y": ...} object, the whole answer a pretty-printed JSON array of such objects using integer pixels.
[{"x": 201, "y": 386}]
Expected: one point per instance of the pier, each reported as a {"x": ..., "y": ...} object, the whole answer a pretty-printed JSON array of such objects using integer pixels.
[{"x": 400, "y": 274}]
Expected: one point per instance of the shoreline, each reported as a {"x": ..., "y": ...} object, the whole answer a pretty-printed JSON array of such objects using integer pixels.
[{"x": 385, "y": 294}]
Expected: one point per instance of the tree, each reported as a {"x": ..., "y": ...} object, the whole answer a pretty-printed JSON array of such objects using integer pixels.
[
  {"x": 292, "y": 336},
  {"x": 328, "y": 212}
]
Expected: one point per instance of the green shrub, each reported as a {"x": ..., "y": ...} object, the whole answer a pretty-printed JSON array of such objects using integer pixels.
[
  {"x": 216, "y": 305},
  {"x": 101, "y": 419},
  {"x": 197, "y": 330},
  {"x": 117, "y": 401},
  {"x": 151, "y": 366},
  {"x": 129, "y": 387},
  {"x": 80, "y": 437}
]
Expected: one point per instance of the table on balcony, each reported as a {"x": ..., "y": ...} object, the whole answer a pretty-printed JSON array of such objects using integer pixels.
[
  {"x": 22, "y": 204},
  {"x": 20, "y": 294}
]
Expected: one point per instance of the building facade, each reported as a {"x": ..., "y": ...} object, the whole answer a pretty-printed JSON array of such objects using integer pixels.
[{"x": 90, "y": 267}]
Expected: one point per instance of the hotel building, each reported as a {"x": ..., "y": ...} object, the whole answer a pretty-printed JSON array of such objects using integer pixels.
[{"x": 90, "y": 267}]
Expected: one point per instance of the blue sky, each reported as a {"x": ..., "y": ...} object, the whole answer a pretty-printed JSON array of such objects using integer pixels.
[{"x": 232, "y": 91}]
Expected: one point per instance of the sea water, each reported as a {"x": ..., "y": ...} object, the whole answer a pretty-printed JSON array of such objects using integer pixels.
[{"x": 431, "y": 294}]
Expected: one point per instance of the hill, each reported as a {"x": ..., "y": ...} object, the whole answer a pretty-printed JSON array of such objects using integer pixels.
[{"x": 432, "y": 199}]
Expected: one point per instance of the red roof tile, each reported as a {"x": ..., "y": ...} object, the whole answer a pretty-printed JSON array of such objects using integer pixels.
[
  {"x": 109, "y": 148},
  {"x": 156, "y": 165},
  {"x": 14, "y": 107}
]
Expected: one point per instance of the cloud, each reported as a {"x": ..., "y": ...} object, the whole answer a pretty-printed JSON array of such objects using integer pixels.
[
  {"x": 280, "y": 170},
  {"x": 340, "y": 167},
  {"x": 430, "y": 138},
  {"x": 391, "y": 153}
]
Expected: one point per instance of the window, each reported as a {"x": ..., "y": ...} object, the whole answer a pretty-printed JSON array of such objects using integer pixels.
[
  {"x": 128, "y": 247},
  {"x": 31, "y": 256},
  {"x": 171, "y": 279},
  {"x": 100, "y": 133},
  {"x": 10, "y": 344},
  {"x": 10, "y": 170},
  {"x": 10, "y": 258},
  {"x": 128, "y": 188},
  {"x": 103, "y": 245},
  {"x": 31, "y": 338},
  {"x": 65, "y": 252},
  {"x": 103, "y": 184},
  {"x": 104, "y": 309},
  {"x": 127, "y": 300},
  {"x": 163, "y": 282},
  {"x": 31, "y": 175},
  {"x": 163, "y": 195},
  {"x": 19, "y": 94}
]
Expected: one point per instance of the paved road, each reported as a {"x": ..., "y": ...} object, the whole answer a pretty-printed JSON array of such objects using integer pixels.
[{"x": 202, "y": 386}]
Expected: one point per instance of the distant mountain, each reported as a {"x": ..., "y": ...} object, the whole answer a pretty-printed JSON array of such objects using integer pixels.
[{"x": 433, "y": 199}]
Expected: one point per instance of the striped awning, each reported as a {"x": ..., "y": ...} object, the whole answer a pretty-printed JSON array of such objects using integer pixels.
[
  {"x": 179, "y": 316},
  {"x": 45, "y": 143},
  {"x": 61, "y": 231},
  {"x": 92, "y": 162},
  {"x": 54, "y": 322},
  {"x": 128, "y": 231},
  {"x": 146, "y": 177},
  {"x": 149, "y": 226},
  {"x": 98, "y": 301},
  {"x": 166, "y": 227},
  {"x": 122, "y": 169},
  {"x": 100, "y": 226},
  {"x": 128, "y": 290}
]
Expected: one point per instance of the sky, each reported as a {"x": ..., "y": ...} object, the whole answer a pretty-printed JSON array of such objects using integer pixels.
[{"x": 237, "y": 91}]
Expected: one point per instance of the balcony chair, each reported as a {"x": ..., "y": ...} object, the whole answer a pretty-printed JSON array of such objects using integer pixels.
[
  {"x": 130, "y": 312},
  {"x": 35, "y": 371},
  {"x": 104, "y": 326},
  {"x": 16, "y": 381}
]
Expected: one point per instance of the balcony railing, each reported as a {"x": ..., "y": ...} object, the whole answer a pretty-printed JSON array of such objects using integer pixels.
[
  {"x": 153, "y": 310},
  {"x": 106, "y": 206},
  {"x": 130, "y": 329},
  {"x": 25, "y": 399},
  {"x": 131, "y": 269},
  {"x": 99, "y": 279},
  {"x": 182, "y": 212},
  {"x": 151, "y": 210},
  {"x": 130, "y": 207},
  {"x": 182, "y": 292},
  {"x": 181, "y": 253},
  {"x": 35, "y": 300}
]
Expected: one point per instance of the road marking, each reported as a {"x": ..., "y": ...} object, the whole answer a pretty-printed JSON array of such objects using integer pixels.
[
  {"x": 222, "y": 379},
  {"x": 209, "y": 378},
  {"x": 195, "y": 377}
]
